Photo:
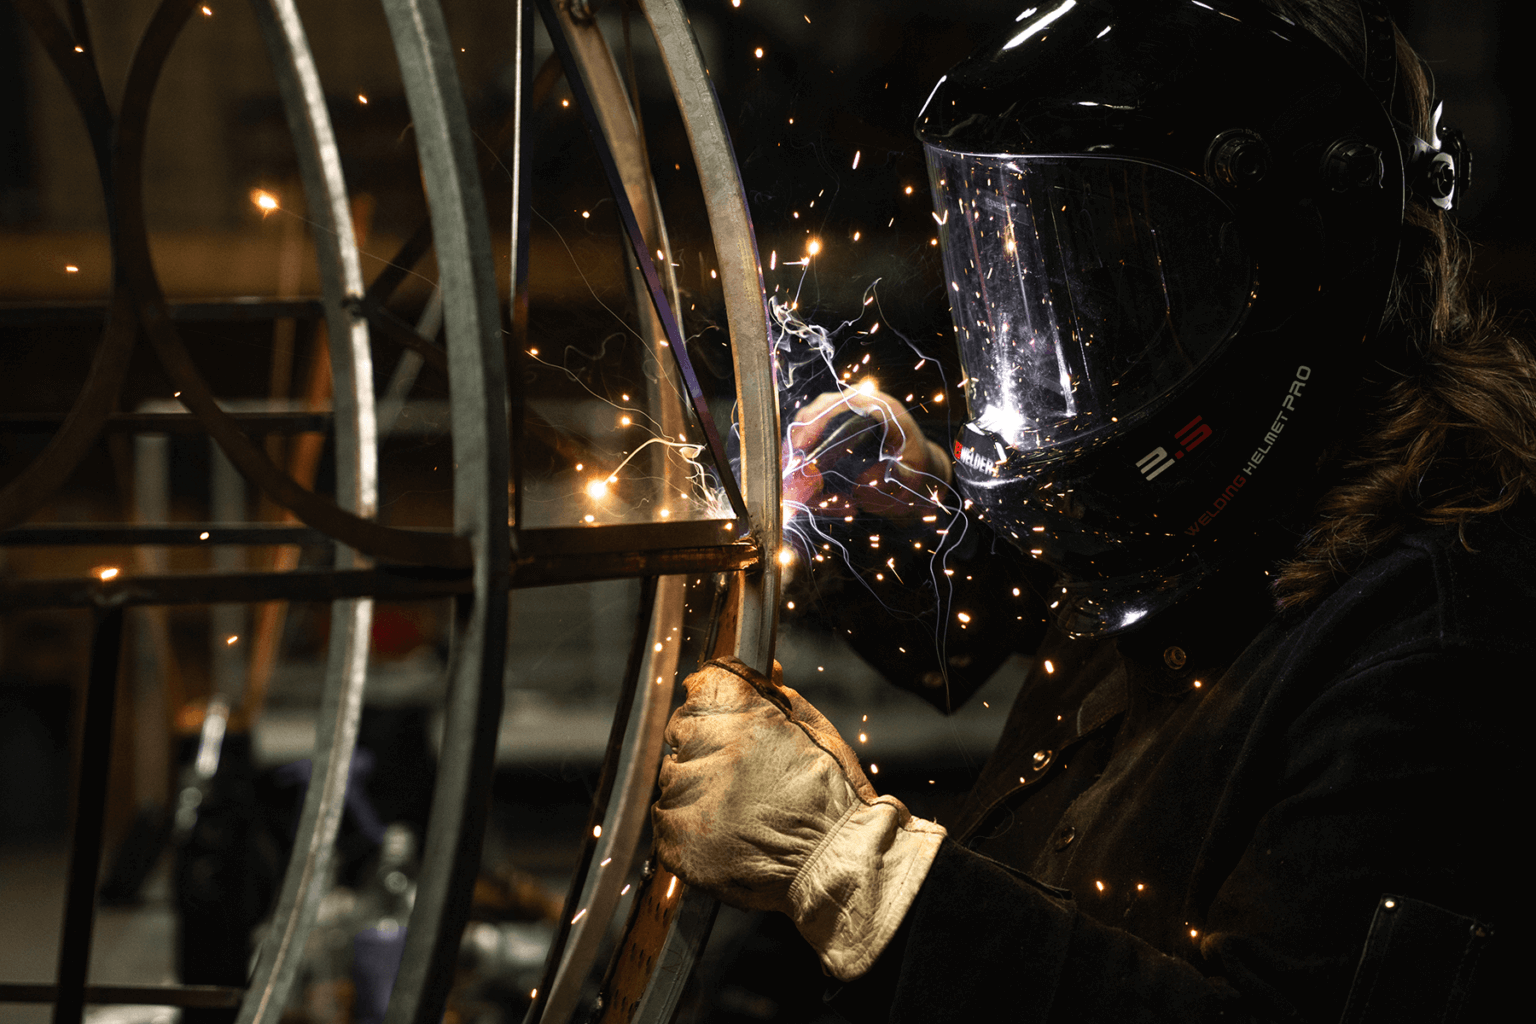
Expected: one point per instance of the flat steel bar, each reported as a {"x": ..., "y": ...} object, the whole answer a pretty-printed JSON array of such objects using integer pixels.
[
  {"x": 477, "y": 381},
  {"x": 137, "y": 268},
  {"x": 576, "y": 79},
  {"x": 180, "y": 423},
  {"x": 552, "y": 570},
  {"x": 754, "y": 595},
  {"x": 185, "y": 534},
  {"x": 210, "y": 997},
  {"x": 355, "y": 426},
  {"x": 27, "y": 490},
  {"x": 90, "y": 810},
  {"x": 741, "y": 278},
  {"x": 639, "y": 537},
  {"x": 597, "y": 812},
  {"x": 401, "y": 583},
  {"x": 629, "y": 809},
  {"x": 231, "y": 310}
]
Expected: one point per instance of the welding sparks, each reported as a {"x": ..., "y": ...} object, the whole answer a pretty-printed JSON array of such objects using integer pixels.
[
  {"x": 362, "y": 99},
  {"x": 207, "y": 12},
  {"x": 758, "y": 53},
  {"x": 812, "y": 247},
  {"x": 70, "y": 268},
  {"x": 265, "y": 201},
  {"x": 597, "y": 487},
  {"x": 856, "y": 154},
  {"x": 231, "y": 641},
  {"x": 107, "y": 573}
]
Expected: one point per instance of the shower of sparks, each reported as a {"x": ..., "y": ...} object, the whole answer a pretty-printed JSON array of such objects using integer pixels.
[{"x": 807, "y": 363}]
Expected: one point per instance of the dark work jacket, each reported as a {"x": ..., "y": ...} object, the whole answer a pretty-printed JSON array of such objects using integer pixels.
[{"x": 1227, "y": 816}]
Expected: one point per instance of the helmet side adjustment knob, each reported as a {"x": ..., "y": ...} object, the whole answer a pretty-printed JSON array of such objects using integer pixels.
[
  {"x": 1350, "y": 164},
  {"x": 1237, "y": 158}
]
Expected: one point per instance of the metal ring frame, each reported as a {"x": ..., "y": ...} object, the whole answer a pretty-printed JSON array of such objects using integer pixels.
[{"x": 481, "y": 559}]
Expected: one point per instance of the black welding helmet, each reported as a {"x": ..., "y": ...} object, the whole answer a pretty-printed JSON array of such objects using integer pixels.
[{"x": 1168, "y": 230}]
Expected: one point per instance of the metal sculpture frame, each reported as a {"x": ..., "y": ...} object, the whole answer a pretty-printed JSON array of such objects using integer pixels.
[{"x": 482, "y": 558}]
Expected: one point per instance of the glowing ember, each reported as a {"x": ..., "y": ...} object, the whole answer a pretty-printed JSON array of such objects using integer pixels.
[
  {"x": 266, "y": 201},
  {"x": 107, "y": 573},
  {"x": 231, "y": 641},
  {"x": 758, "y": 53},
  {"x": 70, "y": 268}
]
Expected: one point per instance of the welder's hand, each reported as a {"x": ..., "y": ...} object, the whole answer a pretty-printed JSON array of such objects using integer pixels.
[
  {"x": 898, "y": 485},
  {"x": 764, "y": 806}
]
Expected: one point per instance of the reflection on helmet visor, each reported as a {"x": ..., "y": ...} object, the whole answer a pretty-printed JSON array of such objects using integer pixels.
[{"x": 1082, "y": 288}]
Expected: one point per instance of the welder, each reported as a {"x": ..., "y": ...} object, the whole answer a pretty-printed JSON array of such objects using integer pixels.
[{"x": 1226, "y": 383}]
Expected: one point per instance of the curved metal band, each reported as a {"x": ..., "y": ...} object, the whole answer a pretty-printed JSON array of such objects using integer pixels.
[
  {"x": 757, "y": 599},
  {"x": 137, "y": 268},
  {"x": 341, "y": 702},
  {"x": 41, "y": 479},
  {"x": 629, "y": 807},
  {"x": 746, "y": 313},
  {"x": 477, "y": 383}
]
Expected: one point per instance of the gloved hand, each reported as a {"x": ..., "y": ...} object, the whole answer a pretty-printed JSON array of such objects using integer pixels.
[
  {"x": 897, "y": 486},
  {"x": 764, "y": 807}
]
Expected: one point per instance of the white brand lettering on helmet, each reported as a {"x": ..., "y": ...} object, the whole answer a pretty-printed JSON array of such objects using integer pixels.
[
  {"x": 970, "y": 457},
  {"x": 1287, "y": 401}
]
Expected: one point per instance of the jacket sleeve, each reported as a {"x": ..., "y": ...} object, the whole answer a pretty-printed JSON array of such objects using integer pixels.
[
  {"x": 1379, "y": 785},
  {"x": 935, "y": 613},
  {"x": 981, "y": 940}
]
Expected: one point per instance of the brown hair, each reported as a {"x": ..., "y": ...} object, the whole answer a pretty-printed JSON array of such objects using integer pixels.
[{"x": 1452, "y": 434}]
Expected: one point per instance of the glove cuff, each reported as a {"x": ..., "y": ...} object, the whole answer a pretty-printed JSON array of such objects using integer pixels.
[{"x": 852, "y": 893}]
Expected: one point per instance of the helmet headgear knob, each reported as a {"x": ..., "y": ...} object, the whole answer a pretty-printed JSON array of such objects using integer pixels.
[
  {"x": 1350, "y": 164},
  {"x": 1237, "y": 158}
]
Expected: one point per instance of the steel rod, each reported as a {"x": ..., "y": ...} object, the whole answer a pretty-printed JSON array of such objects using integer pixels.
[
  {"x": 212, "y": 997},
  {"x": 90, "y": 810}
]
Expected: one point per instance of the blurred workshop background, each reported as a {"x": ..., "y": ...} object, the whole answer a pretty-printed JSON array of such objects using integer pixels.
[{"x": 819, "y": 98}]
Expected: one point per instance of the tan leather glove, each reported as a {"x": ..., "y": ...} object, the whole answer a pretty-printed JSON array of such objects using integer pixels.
[{"x": 764, "y": 807}]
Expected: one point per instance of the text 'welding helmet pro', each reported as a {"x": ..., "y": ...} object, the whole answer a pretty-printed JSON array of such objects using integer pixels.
[{"x": 1169, "y": 230}]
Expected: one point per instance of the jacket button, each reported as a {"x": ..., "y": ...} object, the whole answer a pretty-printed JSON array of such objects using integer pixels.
[
  {"x": 1041, "y": 759},
  {"x": 1065, "y": 836},
  {"x": 1175, "y": 658}
]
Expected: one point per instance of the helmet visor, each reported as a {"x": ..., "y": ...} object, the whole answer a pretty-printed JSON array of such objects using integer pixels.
[{"x": 1082, "y": 288}]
